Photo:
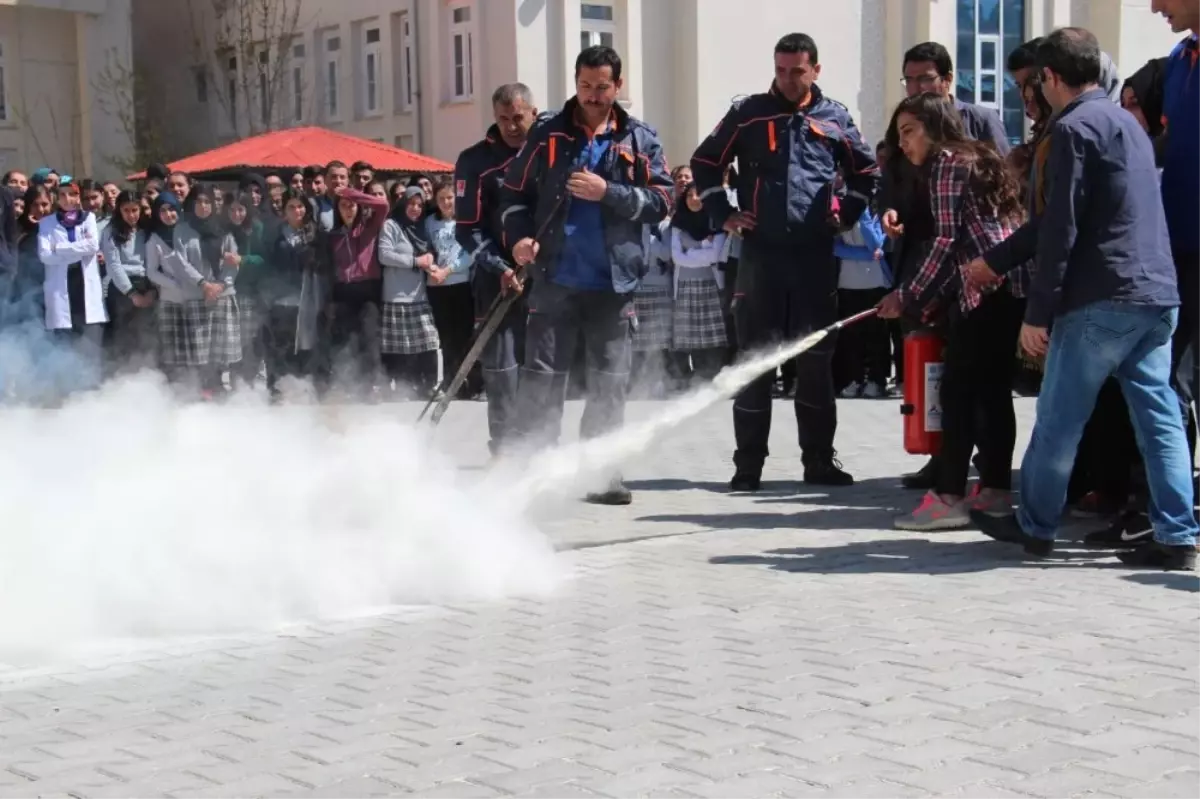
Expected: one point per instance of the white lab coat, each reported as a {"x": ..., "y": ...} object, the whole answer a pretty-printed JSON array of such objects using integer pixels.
[{"x": 57, "y": 252}]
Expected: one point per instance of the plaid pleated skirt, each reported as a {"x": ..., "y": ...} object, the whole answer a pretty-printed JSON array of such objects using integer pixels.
[
  {"x": 653, "y": 307},
  {"x": 408, "y": 328},
  {"x": 196, "y": 333},
  {"x": 698, "y": 320},
  {"x": 250, "y": 316}
]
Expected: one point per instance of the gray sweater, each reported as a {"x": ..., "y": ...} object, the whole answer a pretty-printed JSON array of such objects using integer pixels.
[
  {"x": 403, "y": 282},
  {"x": 178, "y": 271},
  {"x": 123, "y": 261}
]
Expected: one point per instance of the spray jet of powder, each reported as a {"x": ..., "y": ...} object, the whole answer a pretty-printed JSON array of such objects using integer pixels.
[
  {"x": 126, "y": 515},
  {"x": 549, "y": 472}
]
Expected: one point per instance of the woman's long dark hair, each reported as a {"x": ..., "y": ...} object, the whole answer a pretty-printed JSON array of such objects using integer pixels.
[
  {"x": 992, "y": 182},
  {"x": 122, "y": 232},
  {"x": 26, "y": 225}
]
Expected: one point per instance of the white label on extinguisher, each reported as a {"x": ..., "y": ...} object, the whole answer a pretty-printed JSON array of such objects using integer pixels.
[{"x": 933, "y": 397}]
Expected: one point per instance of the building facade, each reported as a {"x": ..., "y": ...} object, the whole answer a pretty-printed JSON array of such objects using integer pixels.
[
  {"x": 419, "y": 73},
  {"x": 66, "y": 85}
]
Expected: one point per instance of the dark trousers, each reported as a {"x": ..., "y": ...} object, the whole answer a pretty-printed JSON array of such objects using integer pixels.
[
  {"x": 278, "y": 339},
  {"x": 354, "y": 334},
  {"x": 731, "y": 273},
  {"x": 1108, "y": 452},
  {"x": 1185, "y": 348},
  {"x": 558, "y": 318},
  {"x": 500, "y": 359},
  {"x": 896, "y": 337},
  {"x": 131, "y": 340},
  {"x": 979, "y": 363},
  {"x": 698, "y": 365},
  {"x": 783, "y": 294},
  {"x": 863, "y": 348},
  {"x": 454, "y": 316}
]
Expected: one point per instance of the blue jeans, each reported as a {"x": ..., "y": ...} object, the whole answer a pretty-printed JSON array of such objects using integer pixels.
[{"x": 1133, "y": 344}]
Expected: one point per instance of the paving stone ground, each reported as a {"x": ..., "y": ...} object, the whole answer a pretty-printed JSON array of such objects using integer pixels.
[{"x": 786, "y": 644}]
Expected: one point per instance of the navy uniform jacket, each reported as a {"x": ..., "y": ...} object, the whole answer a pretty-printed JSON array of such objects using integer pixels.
[
  {"x": 478, "y": 174},
  {"x": 788, "y": 156},
  {"x": 534, "y": 195}
]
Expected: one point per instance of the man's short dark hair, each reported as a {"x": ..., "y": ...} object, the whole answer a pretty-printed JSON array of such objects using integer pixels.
[
  {"x": 1024, "y": 56},
  {"x": 311, "y": 171},
  {"x": 794, "y": 43},
  {"x": 157, "y": 172},
  {"x": 359, "y": 166},
  {"x": 932, "y": 52},
  {"x": 1073, "y": 54},
  {"x": 335, "y": 164},
  {"x": 597, "y": 57},
  {"x": 510, "y": 93}
]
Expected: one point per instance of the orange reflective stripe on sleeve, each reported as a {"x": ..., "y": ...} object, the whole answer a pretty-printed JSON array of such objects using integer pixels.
[
  {"x": 771, "y": 135},
  {"x": 553, "y": 151}
]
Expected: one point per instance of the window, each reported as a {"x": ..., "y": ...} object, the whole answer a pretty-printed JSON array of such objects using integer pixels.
[
  {"x": 201, "y": 85},
  {"x": 371, "y": 91},
  {"x": 462, "y": 83},
  {"x": 264, "y": 86},
  {"x": 598, "y": 25},
  {"x": 403, "y": 63},
  {"x": 231, "y": 85},
  {"x": 333, "y": 46},
  {"x": 3, "y": 85},
  {"x": 988, "y": 30},
  {"x": 297, "y": 83}
]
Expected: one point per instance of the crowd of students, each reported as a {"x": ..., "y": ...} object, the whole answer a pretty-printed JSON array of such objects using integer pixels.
[{"x": 327, "y": 273}]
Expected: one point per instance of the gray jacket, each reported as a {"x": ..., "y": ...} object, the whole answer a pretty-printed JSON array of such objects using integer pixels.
[
  {"x": 403, "y": 282},
  {"x": 178, "y": 271}
]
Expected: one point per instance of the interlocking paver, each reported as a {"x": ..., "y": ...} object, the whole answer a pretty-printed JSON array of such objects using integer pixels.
[{"x": 785, "y": 644}]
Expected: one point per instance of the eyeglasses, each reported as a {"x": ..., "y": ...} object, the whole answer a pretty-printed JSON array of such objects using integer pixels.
[{"x": 924, "y": 81}]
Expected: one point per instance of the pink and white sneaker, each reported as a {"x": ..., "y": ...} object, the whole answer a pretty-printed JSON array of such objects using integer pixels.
[
  {"x": 934, "y": 513},
  {"x": 996, "y": 504}
]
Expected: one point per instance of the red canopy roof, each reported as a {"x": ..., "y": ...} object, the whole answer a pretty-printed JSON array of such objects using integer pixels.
[{"x": 296, "y": 148}]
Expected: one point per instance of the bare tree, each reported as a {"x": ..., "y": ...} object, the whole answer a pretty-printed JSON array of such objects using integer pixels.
[
  {"x": 63, "y": 134},
  {"x": 124, "y": 93},
  {"x": 247, "y": 46}
]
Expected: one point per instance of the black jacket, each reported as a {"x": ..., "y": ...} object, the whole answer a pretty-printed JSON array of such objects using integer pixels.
[
  {"x": 533, "y": 198},
  {"x": 787, "y": 158}
]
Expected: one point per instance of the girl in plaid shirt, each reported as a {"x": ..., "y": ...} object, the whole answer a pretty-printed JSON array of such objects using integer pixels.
[{"x": 975, "y": 201}]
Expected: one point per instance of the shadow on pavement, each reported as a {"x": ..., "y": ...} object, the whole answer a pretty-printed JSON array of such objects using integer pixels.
[
  {"x": 840, "y": 518},
  {"x": 1176, "y": 581},
  {"x": 898, "y": 556}
]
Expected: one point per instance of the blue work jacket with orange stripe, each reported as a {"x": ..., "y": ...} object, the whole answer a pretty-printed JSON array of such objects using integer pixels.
[
  {"x": 534, "y": 199},
  {"x": 788, "y": 155}
]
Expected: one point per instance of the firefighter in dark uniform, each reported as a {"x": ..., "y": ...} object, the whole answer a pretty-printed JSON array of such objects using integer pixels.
[
  {"x": 478, "y": 174},
  {"x": 789, "y": 143}
]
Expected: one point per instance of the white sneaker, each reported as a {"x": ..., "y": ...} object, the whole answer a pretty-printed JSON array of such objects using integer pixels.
[
  {"x": 874, "y": 391},
  {"x": 852, "y": 391}
]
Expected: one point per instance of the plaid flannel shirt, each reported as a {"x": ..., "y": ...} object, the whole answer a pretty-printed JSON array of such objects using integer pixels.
[{"x": 963, "y": 231}]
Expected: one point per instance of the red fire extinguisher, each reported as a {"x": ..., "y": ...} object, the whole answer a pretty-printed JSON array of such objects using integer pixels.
[{"x": 922, "y": 406}]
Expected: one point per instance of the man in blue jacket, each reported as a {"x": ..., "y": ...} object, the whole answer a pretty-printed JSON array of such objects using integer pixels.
[
  {"x": 573, "y": 207},
  {"x": 790, "y": 142},
  {"x": 478, "y": 175},
  {"x": 1105, "y": 278}
]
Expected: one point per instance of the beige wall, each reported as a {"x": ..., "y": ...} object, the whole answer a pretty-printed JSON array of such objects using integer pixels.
[
  {"x": 684, "y": 59},
  {"x": 53, "y": 51}
]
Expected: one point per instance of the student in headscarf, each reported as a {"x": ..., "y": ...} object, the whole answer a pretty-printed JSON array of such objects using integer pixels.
[
  {"x": 130, "y": 299},
  {"x": 246, "y": 227},
  {"x": 410, "y": 337},
  {"x": 698, "y": 338},
  {"x": 197, "y": 318},
  {"x": 68, "y": 246},
  {"x": 1142, "y": 96}
]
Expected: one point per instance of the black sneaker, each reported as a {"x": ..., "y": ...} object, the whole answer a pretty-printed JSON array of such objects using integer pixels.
[
  {"x": 1161, "y": 556},
  {"x": 1130, "y": 531},
  {"x": 617, "y": 494},
  {"x": 827, "y": 472},
  {"x": 1006, "y": 530},
  {"x": 924, "y": 479},
  {"x": 745, "y": 482}
]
